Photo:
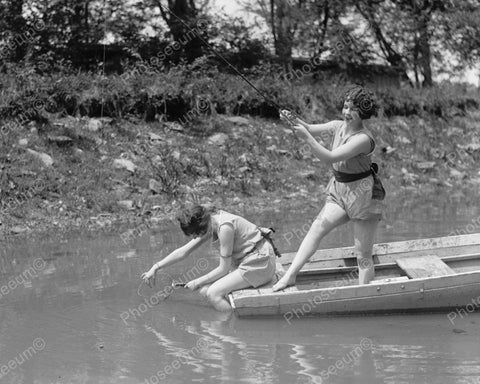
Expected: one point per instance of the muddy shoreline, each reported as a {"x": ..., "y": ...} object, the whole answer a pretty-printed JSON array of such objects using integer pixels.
[{"x": 142, "y": 173}]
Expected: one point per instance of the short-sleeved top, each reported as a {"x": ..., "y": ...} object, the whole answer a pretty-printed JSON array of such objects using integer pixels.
[
  {"x": 357, "y": 164},
  {"x": 246, "y": 234}
]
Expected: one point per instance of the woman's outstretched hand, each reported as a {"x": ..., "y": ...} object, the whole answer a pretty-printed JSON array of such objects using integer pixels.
[
  {"x": 288, "y": 116},
  {"x": 149, "y": 277},
  {"x": 301, "y": 130},
  {"x": 293, "y": 119},
  {"x": 192, "y": 285}
]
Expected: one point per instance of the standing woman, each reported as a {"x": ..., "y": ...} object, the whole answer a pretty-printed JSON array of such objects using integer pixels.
[
  {"x": 354, "y": 192},
  {"x": 247, "y": 255}
]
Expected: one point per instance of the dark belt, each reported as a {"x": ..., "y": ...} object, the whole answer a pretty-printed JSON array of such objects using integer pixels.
[
  {"x": 267, "y": 237},
  {"x": 378, "y": 192},
  {"x": 343, "y": 177}
]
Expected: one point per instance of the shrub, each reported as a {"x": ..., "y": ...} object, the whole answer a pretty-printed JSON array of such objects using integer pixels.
[{"x": 188, "y": 91}]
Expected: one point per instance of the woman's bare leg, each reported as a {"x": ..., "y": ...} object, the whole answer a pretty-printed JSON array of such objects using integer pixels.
[
  {"x": 203, "y": 290},
  {"x": 331, "y": 216},
  {"x": 364, "y": 233},
  {"x": 217, "y": 292}
]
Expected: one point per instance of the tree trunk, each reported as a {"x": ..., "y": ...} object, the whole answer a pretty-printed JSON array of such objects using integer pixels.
[
  {"x": 424, "y": 48},
  {"x": 182, "y": 9},
  {"x": 284, "y": 41},
  {"x": 16, "y": 23},
  {"x": 272, "y": 22},
  {"x": 87, "y": 26},
  {"x": 321, "y": 38},
  {"x": 393, "y": 57},
  {"x": 183, "y": 12},
  {"x": 415, "y": 61},
  {"x": 77, "y": 21}
]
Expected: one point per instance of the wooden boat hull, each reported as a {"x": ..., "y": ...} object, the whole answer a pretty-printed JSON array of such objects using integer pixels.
[
  {"x": 431, "y": 294},
  {"x": 396, "y": 294}
]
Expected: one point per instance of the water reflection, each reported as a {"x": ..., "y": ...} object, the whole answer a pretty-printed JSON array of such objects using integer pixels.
[{"x": 75, "y": 297}]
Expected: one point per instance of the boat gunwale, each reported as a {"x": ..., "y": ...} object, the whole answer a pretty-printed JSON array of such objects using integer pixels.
[
  {"x": 380, "y": 266},
  {"x": 400, "y": 247},
  {"x": 358, "y": 286}
]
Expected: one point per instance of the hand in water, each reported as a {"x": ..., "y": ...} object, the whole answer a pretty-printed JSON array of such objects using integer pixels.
[
  {"x": 149, "y": 277},
  {"x": 283, "y": 283}
]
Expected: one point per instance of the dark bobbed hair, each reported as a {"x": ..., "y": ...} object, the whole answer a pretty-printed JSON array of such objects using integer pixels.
[
  {"x": 195, "y": 220},
  {"x": 363, "y": 99}
]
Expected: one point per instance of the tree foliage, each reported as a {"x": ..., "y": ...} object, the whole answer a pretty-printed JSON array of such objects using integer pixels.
[
  {"x": 459, "y": 30},
  {"x": 12, "y": 25},
  {"x": 419, "y": 37}
]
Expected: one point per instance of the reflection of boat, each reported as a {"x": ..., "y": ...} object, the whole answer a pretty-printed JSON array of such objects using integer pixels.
[{"x": 416, "y": 275}]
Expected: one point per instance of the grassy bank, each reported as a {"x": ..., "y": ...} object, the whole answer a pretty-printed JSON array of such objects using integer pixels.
[{"x": 158, "y": 142}]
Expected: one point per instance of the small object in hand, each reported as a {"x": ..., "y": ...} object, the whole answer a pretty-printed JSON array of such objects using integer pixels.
[{"x": 288, "y": 116}]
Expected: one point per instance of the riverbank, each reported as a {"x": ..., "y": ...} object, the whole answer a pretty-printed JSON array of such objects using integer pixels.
[{"x": 93, "y": 173}]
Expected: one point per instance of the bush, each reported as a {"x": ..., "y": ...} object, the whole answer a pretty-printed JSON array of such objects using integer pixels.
[
  {"x": 443, "y": 100},
  {"x": 189, "y": 91}
]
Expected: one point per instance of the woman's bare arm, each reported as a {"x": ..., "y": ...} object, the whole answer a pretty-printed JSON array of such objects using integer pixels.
[
  {"x": 182, "y": 252},
  {"x": 319, "y": 129},
  {"x": 174, "y": 257},
  {"x": 225, "y": 237},
  {"x": 353, "y": 147}
]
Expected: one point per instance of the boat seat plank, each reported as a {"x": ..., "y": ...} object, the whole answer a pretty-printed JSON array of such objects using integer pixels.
[{"x": 424, "y": 266}]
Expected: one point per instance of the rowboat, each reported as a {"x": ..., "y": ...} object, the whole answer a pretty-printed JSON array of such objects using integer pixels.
[{"x": 424, "y": 275}]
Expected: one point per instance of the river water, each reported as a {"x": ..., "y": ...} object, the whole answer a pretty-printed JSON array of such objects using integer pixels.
[{"x": 70, "y": 312}]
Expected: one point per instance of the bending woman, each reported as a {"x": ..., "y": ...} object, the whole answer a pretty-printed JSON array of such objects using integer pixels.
[
  {"x": 247, "y": 257},
  {"x": 354, "y": 192}
]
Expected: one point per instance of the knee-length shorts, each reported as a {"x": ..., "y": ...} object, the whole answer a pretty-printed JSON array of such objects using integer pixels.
[
  {"x": 355, "y": 198},
  {"x": 258, "y": 267}
]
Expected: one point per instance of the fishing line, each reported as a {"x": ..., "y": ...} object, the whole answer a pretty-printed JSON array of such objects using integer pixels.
[
  {"x": 288, "y": 116},
  {"x": 268, "y": 100},
  {"x": 104, "y": 55}
]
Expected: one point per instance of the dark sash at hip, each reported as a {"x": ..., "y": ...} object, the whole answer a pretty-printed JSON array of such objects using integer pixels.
[{"x": 378, "y": 192}]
